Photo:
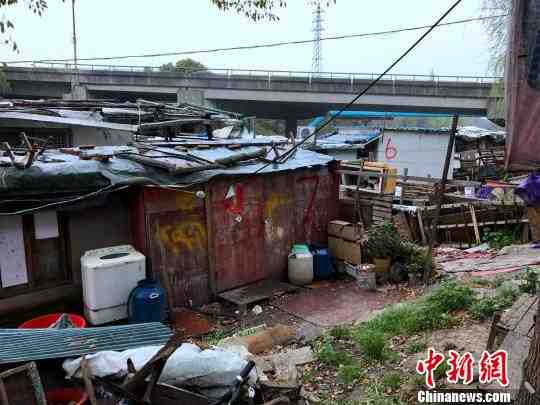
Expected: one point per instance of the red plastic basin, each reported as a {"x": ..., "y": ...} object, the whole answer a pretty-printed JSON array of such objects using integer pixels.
[
  {"x": 47, "y": 320},
  {"x": 64, "y": 396}
]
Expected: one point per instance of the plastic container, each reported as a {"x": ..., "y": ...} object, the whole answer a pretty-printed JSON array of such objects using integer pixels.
[
  {"x": 322, "y": 267},
  {"x": 45, "y": 321},
  {"x": 146, "y": 302},
  {"x": 64, "y": 396},
  {"x": 108, "y": 277},
  {"x": 300, "y": 266}
]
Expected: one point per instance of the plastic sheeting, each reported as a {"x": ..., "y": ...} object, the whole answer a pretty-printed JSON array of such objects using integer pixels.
[
  {"x": 529, "y": 190},
  {"x": 65, "y": 173},
  {"x": 187, "y": 366}
]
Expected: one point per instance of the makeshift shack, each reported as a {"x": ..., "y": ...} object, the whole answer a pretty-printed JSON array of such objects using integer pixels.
[{"x": 209, "y": 215}]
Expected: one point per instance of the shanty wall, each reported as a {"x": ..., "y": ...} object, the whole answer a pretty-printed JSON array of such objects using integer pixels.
[
  {"x": 97, "y": 227},
  {"x": 240, "y": 232},
  {"x": 423, "y": 154}
]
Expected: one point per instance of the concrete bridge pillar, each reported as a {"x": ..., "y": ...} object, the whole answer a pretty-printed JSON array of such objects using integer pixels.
[
  {"x": 190, "y": 96},
  {"x": 78, "y": 92},
  {"x": 291, "y": 124}
]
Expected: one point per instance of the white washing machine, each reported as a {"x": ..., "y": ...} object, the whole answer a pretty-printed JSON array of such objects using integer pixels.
[{"x": 108, "y": 277}]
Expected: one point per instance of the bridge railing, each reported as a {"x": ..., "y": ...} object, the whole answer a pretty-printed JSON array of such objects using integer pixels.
[{"x": 271, "y": 75}]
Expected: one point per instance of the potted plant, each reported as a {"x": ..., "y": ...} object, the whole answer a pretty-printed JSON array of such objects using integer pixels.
[{"x": 382, "y": 244}]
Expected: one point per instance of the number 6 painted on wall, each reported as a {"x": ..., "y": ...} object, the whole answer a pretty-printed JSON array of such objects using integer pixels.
[{"x": 390, "y": 151}]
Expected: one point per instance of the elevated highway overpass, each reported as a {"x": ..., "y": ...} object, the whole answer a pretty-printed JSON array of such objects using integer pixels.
[{"x": 266, "y": 94}]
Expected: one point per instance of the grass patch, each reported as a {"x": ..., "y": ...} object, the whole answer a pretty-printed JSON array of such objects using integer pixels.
[
  {"x": 376, "y": 396},
  {"x": 328, "y": 355},
  {"x": 373, "y": 343},
  {"x": 348, "y": 375},
  {"x": 417, "y": 346},
  {"x": 213, "y": 338},
  {"x": 431, "y": 312},
  {"x": 484, "y": 308},
  {"x": 392, "y": 381},
  {"x": 340, "y": 332}
]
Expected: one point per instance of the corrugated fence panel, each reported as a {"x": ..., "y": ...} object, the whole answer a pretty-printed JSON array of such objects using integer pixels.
[
  {"x": 178, "y": 244},
  {"x": 237, "y": 231}
]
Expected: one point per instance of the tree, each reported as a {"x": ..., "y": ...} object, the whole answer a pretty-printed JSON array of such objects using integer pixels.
[
  {"x": 7, "y": 26},
  {"x": 189, "y": 65},
  {"x": 186, "y": 65},
  {"x": 258, "y": 9},
  {"x": 497, "y": 29}
]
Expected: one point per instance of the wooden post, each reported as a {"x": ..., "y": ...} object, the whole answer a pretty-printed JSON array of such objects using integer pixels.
[
  {"x": 529, "y": 391},
  {"x": 475, "y": 224},
  {"x": 405, "y": 173},
  {"x": 421, "y": 225},
  {"x": 493, "y": 331},
  {"x": 439, "y": 196}
]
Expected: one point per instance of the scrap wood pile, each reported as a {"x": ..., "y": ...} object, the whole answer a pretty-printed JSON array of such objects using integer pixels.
[
  {"x": 253, "y": 369},
  {"x": 144, "y": 120}
]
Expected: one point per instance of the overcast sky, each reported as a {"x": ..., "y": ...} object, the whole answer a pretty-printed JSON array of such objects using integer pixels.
[{"x": 120, "y": 27}]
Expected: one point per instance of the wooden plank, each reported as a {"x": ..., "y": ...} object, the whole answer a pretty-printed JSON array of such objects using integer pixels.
[
  {"x": 510, "y": 221},
  {"x": 421, "y": 226},
  {"x": 255, "y": 292},
  {"x": 520, "y": 317},
  {"x": 511, "y": 318},
  {"x": 410, "y": 178},
  {"x": 475, "y": 224}
]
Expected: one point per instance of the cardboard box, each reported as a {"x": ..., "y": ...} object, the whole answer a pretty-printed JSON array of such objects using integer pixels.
[
  {"x": 345, "y": 230},
  {"x": 351, "y": 252},
  {"x": 334, "y": 247},
  {"x": 345, "y": 250}
]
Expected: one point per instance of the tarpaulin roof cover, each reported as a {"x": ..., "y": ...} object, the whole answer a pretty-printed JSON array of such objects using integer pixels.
[
  {"x": 522, "y": 99},
  {"x": 65, "y": 173}
]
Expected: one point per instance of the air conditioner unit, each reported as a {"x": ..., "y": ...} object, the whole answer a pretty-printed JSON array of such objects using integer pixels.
[{"x": 304, "y": 132}]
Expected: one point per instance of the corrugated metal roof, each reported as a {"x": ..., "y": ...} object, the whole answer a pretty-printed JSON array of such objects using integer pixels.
[
  {"x": 68, "y": 120},
  {"x": 19, "y": 345},
  {"x": 61, "y": 172}
]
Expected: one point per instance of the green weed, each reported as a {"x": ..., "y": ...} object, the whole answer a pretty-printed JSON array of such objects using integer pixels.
[
  {"x": 340, "y": 332},
  {"x": 373, "y": 343},
  {"x": 376, "y": 396},
  {"x": 416, "y": 346},
  {"x": 451, "y": 296},
  {"x": 329, "y": 356},
  {"x": 392, "y": 381},
  {"x": 348, "y": 375},
  {"x": 484, "y": 308}
]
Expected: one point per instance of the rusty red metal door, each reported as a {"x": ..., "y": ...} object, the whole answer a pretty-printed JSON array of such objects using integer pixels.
[
  {"x": 278, "y": 219},
  {"x": 316, "y": 204},
  {"x": 237, "y": 232},
  {"x": 178, "y": 245}
]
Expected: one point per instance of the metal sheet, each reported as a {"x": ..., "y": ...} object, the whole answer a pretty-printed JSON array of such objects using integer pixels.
[
  {"x": 18, "y": 345},
  {"x": 316, "y": 194},
  {"x": 178, "y": 244},
  {"x": 278, "y": 218},
  {"x": 238, "y": 229}
]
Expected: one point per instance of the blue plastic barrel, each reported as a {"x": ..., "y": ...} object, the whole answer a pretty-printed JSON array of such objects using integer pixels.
[
  {"x": 322, "y": 266},
  {"x": 146, "y": 302}
]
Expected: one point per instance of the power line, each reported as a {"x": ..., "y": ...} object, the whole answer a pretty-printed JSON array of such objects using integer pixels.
[
  {"x": 287, "y": 154},
  {"x": 267, "y": 45}
]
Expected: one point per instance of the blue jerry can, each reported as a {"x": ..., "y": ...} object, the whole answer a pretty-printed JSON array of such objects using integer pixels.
[{"x": 146, "y": 302}]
